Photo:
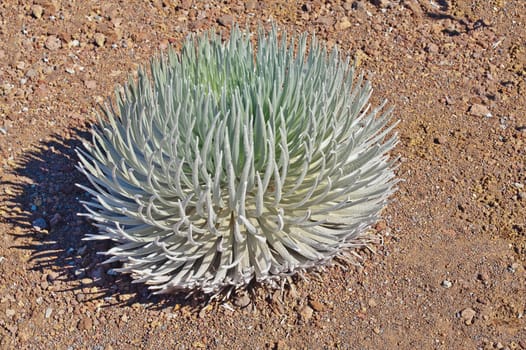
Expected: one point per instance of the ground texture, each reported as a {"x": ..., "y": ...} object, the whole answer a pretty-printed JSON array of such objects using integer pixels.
[{"x": 450, "y": 273}]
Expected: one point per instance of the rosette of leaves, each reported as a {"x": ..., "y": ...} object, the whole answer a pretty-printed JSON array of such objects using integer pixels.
[{"x": 223, "y": 164}]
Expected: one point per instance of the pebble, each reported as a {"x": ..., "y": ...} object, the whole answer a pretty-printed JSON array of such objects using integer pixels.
[
  {"x": 439, "y": 140},
  {"x": 432, "y": 48},
  {"x": 251, "y": 5},
  {"x": 52, "y": 43},
  {"x": 48, "y": 313},
  {"x": 415, "y": 8},
  {"x": 343, "y": 24},
  {"x": 52, "y": 276},
  {"x": 36, "y": 11},
  {"x": 10, "y": 313},
  {"x": 99, "y": 39},
  {"x": 39, "y": 224},
  {"x": 316, "y": 305},
  {"x": 513, "y": 267},
  {"x": 225, "y": 20},
  {"x": 80, "y": 273},
  {"x": 90, "y": 84},
  {"x": 467, "y": 315},
  {"x": 31, "y": 73},
  {"x": 483, "y": 277},
  {"x": 85, "y": 324},
  {"x": 74, "y": 43},
  {"x": 44, "y": 285},
  {"x": 381, "y": 3},
  {"x": 479, "y": 110},
  {"x": 446, "y": 284},
  {"x": 306, "y": 313},
  {"x": 242, "y": 300}
]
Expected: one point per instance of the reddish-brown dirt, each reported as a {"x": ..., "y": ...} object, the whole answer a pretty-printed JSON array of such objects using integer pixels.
[{"x": 450, "y": 273}]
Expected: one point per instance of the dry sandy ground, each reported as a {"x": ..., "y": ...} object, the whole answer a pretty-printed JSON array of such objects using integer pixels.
[{"x": 450, "y": 272}]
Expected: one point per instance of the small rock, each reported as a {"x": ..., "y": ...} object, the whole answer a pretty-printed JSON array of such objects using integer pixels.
[
  {"x": 36, "y": 11},
  {"x": 48, "y": 313},
  {"x": 85, "y": 324},
  {"x": 372, "y": 302},
  {"x": 306, "y": 313},
  {"x": 124, "y": 318},
  {"x": 467, "y": 315},
  {"x": 40, "y": 224},
  {"x": 432, "y": 48},
  {"x": 482, "y": 301},
  {"x": 281, "y": 345},
  {"x": 86, "y": 281},
  {"x": 325, "y": 20},
  {"x": 44, "y": 285},
  {"x": 225, "y": 20},
  {"x": 343, "y": 24},
  {"x": 380, "y": 226},
  {"x": 376, "y": 330},
  {"x": 164, "y": 44},
  {"x": 316, "y": 305},
  {"x": 10, "y": 313},
  {"x": 90, "y": 84},
  {"x": 446, "y": 284},
  {"x": 204, "y": 311},
  {"x": 31, "y": 73},
  {"x": 251, "y": 5},
  {"x": 381, "y": 3},
  {"x": 513, "y": 267},
  {"x": 74, "y": 43},
  {"x": 479, "y": 110},
  {"x": 52, "y": 43},
  {"x": 52, "y": 276},
  {"x": 242, "y": 300},
  {"x": 483, "y": 277},
  {"x": 439, "y": 140},
  {"x": 415, "y": 8},
  {"x": 99, "y": 39}
]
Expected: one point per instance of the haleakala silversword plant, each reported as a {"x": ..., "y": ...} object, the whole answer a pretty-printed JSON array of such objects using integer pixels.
[{"x": 225, "y": 164}]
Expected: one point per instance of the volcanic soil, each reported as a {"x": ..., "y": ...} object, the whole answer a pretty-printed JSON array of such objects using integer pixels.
[{"x": 450, "y": 271}]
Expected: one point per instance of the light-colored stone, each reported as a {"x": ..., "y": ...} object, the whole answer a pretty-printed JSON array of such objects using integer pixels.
[
  {"x": 479, "y": 110},
  {"x": 306, "y": 313},
  {"x": 52, "y": 43},
  {"x": 467, "y": 315},
  {"x": 99, "y": 39},
  {"x": 343, "y": 24},
  {"x": 36, "y": 11}
]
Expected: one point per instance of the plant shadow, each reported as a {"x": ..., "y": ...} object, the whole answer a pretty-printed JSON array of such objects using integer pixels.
[{"x": 43, "y": 213}]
